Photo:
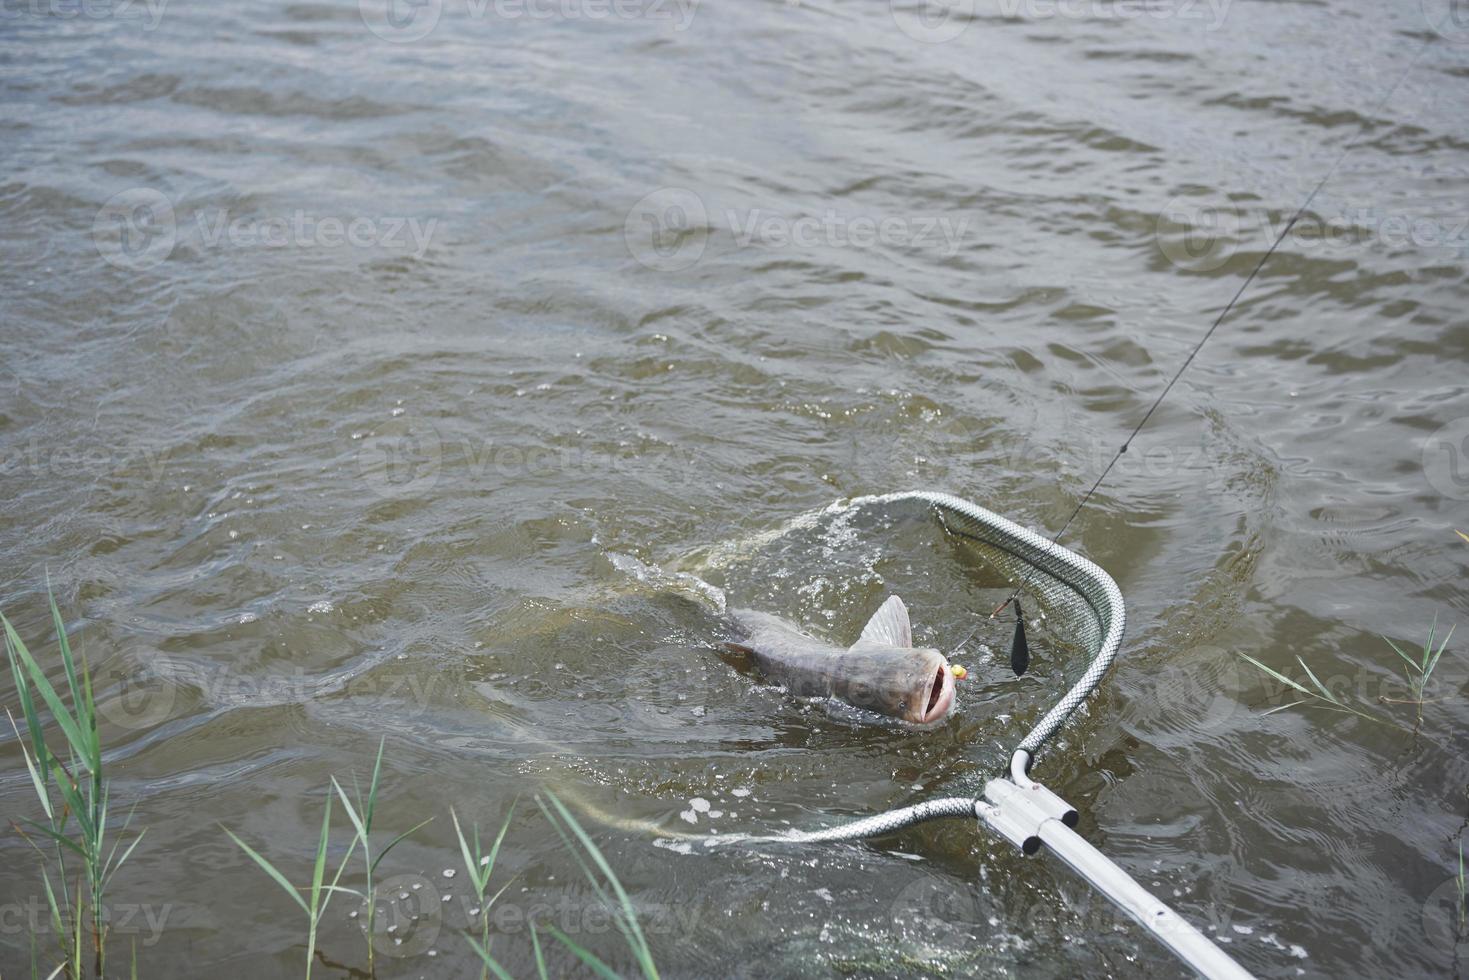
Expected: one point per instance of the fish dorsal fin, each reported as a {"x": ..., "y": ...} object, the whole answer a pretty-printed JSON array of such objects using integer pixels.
[{"x": 889, "y": 625}]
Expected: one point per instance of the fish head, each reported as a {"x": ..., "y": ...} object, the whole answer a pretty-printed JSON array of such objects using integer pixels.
[{"x": 912, "y": 684}]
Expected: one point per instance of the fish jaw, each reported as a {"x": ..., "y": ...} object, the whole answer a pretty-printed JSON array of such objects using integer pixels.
[{"x": 941, "y": 695}]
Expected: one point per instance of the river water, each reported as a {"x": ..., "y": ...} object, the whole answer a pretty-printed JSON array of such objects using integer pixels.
[{"x": 345, "y": 344}]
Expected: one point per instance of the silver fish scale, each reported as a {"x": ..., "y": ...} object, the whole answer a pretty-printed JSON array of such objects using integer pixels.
[{"x": 1103, "y": 637}]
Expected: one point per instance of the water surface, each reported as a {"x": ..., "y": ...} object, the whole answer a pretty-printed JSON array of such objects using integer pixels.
[{"x": 341, "y": 349}]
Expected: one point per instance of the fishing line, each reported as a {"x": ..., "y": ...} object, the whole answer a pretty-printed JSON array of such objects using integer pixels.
[{"x": 1019, "y": 641}]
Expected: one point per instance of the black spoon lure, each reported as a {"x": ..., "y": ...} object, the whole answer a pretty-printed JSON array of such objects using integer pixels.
[{"x": 1019, "y": 649}]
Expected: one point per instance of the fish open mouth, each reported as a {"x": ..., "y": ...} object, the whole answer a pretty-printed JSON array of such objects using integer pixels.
[{"x": 940, "y": 694}]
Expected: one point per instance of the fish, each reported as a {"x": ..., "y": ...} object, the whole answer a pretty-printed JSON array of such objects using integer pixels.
[{"x": 882, "y": 671}]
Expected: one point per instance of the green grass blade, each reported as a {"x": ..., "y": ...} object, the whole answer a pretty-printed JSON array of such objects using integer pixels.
[
  {"x": 575, "y": 851},
  {"x": 589, "y": 958},
  {"x": 81, "y": 694},
  {"x": 28, "y": 708},
  {"x": 396, "y": 841},
  {"x": 1278, "y": 675},
  {"x": 37, "y": 783},
  {"x": 636, "y": 938},
  {"x": 1433, "y": 661},
  {"x": 270, "y": 869},
  {"x": 535, "y": 942},
  {"x": 55, "y": 907},
  {"x": 377, "y": 771},
  {"x": 67, "y": 662},
  {"x": 1406, "y": 659},
  {"x": 73, "y": 799},
  {"x": 357, "y": 822},
  {"x": 490, "y": 962},
  {"x": 55, "y": 836},
  {"x": 1325, "y": 693},
  {"x": 111, "y": 869},
  {"x": 318, "y": 869},
  {"x": 471, "y": 861},
  {"x": 499, "y": 839},
  {"x": 64, "y": 718},
  {"x": 86, "y": 709},
  {"x": 496, "y": 897}
]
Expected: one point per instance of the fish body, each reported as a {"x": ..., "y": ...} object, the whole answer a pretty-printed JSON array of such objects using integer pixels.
[{"x": 881, "y": 672}]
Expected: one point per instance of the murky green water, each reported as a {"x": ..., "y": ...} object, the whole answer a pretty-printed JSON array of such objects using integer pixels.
[{"x": 341, "y": 345}]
